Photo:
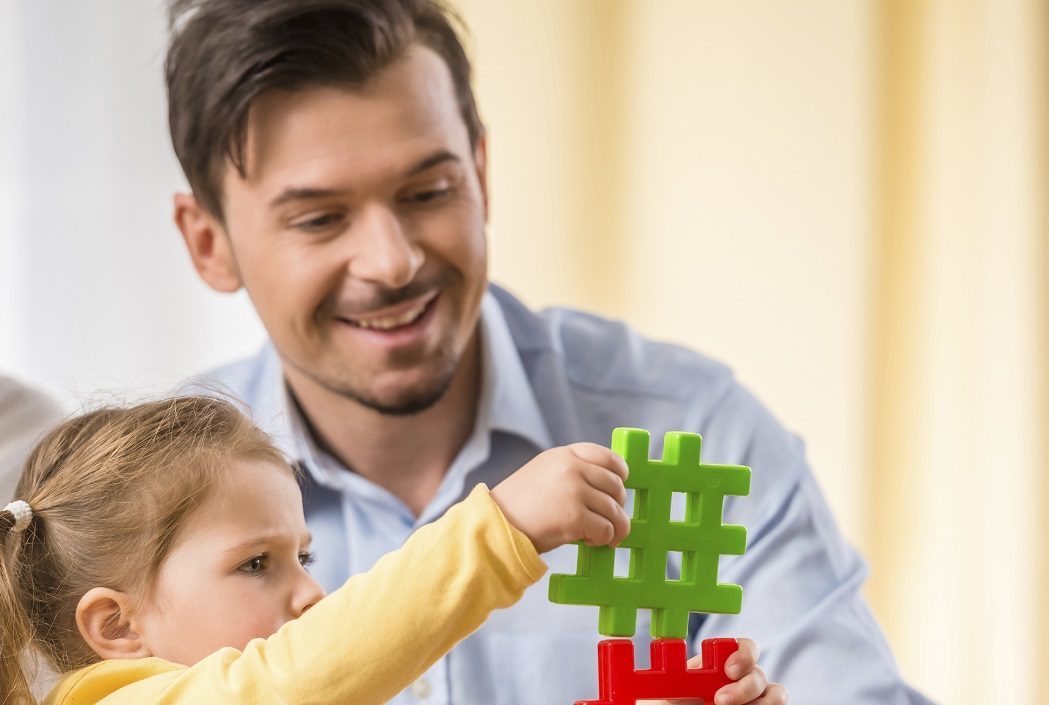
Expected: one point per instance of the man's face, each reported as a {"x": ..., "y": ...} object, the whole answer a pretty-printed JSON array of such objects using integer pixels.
[{"x": 359, "y": 232}]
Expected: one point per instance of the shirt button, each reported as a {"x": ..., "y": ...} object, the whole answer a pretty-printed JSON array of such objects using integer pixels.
[{"x": 421, "y": 689}]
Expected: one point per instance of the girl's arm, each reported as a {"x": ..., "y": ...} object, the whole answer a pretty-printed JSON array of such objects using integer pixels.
[
  {"x": 362, "y": 644},
  {"x": 372, "y": 637}
]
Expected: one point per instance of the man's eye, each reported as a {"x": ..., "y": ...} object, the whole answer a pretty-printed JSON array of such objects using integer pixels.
[
  {"x": 307, "y": 558},
  {"x": 429, "y": 196},
  {"x": 256, "y": 565},
  {"x": 319, "y": 222}
]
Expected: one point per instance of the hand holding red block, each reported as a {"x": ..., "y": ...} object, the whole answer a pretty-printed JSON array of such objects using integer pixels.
[{"x": 619, "y": 683}]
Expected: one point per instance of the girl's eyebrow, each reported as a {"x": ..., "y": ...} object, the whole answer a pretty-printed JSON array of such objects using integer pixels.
[{"x": 271, "y": 539}]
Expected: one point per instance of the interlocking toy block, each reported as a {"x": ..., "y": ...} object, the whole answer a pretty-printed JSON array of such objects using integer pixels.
[
  {"x": 669, "y": 676},
  {"x": 701, "y": 538}
]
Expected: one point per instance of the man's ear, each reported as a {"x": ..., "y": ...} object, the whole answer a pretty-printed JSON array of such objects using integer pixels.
[
  {"x": 208, "y": 244},
  {"x": 481, "y": 165},
  {"x": 103, "y": 617}
]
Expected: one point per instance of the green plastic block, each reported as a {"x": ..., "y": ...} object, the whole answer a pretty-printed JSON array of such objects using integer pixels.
[{"x": 701, "y": 539}]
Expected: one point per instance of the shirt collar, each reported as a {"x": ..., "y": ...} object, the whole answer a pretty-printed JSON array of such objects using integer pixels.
[
  {"x": 510, "y": 405},
  {"x": 272, "y": 406}
]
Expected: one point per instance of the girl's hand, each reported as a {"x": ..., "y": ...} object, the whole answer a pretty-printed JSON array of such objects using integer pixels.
[{"x": 572, "y": 493}]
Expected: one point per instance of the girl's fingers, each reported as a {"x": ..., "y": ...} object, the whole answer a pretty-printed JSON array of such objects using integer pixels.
[
  {"x": 603, "y": 479},
  {"x": 597, "y": 529},
  {"x": 605, "y": 506},
  {"x": 599, "y": 455}
]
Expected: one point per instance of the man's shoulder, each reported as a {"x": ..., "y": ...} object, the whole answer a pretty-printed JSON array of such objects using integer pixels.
[
  {"x": 591, "y": 374},
  {"x": 605, "y": 355}
]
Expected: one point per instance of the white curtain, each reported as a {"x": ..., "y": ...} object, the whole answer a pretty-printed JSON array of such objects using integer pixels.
[{"x": 97, "y": 296}]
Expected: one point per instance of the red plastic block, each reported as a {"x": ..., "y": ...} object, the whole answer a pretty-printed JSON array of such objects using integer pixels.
[{"x": 669, "y": 677}]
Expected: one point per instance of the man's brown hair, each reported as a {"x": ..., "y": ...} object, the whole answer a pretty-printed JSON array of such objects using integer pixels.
[{"x": 224, "y": 54}]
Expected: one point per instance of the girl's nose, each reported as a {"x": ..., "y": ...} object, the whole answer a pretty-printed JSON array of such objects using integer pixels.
[{"x": 307, "y": 594}]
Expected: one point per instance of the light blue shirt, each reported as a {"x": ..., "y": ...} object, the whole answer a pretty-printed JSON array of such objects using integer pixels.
[{"x": 559, "y": 377}]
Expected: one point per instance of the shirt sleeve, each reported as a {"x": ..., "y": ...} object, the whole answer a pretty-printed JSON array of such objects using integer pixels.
[
  {"x": 372, "y": 637},
  {"x": 802, "y": 599}
]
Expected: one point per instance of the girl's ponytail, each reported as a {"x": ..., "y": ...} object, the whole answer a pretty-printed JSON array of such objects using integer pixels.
[{"x": 15, "y": 629}]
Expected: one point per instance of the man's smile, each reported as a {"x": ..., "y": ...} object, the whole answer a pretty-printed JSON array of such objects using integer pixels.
[{"x": 392, "y": 317}]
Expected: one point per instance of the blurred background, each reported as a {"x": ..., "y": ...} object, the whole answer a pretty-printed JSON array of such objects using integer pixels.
[{"x": 845, "y": 200}]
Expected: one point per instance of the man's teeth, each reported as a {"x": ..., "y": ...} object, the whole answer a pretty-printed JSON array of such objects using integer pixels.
[{"x": 389, "y": 322}]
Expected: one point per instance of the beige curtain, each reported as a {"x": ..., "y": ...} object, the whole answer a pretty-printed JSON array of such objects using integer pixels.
[
  {"x": 959, "y": 480},
  {"x": 847, "y": 201}
]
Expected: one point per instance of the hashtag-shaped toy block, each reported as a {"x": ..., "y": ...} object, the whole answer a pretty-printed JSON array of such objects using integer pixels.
[
  {"x": 669, "y": 676},
  {"x": 701, "y": 539}
]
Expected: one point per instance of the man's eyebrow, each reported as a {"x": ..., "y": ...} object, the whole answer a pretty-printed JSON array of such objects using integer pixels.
[
  {"x": 304, "y": 194},
  {"x": 431, "y": 161}
]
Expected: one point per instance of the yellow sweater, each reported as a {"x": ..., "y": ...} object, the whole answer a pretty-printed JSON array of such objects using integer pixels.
[{"x": 362, "y": 644}]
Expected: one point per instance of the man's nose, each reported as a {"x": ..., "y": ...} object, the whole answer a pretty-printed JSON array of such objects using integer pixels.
[
  {"x": 382, "y": 252},
  {"x": 308, "y": 592}
]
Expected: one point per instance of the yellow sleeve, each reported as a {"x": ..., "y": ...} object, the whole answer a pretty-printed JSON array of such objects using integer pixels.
[{"x": 362, "y": 644}]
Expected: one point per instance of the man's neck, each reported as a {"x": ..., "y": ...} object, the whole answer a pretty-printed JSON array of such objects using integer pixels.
[{"x": 407, "y": 455}]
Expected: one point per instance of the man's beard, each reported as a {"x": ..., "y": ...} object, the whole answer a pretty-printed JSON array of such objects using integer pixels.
[
  {"x": 405, "y": 402},
  {"x": 410, "y": 400},
  {"x": 415, "y": 401}
]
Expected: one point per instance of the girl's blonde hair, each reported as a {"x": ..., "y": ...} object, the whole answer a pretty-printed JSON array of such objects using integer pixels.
[{"x": 109, "y": 491}]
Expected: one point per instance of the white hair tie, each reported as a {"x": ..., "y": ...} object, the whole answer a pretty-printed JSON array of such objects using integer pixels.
[{"x": 22, "y": 513}]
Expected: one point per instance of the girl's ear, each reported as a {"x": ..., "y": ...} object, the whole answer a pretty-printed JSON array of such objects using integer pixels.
[{"x": 103, "y": 617}]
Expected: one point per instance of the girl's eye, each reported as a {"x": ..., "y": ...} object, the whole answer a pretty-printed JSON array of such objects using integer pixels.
[
  {"x": 255, "y": 565},
  {"x": 307, "y": 558}
]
